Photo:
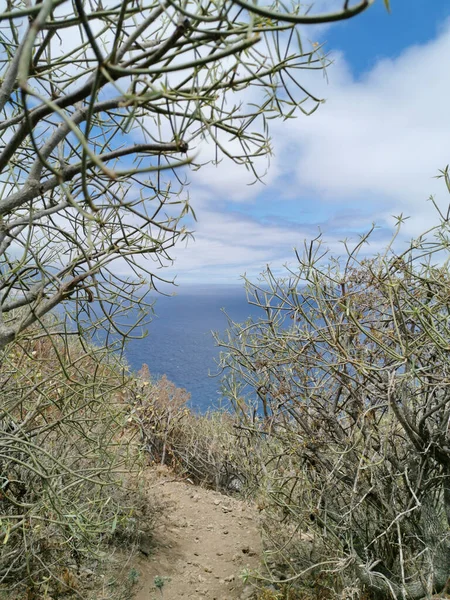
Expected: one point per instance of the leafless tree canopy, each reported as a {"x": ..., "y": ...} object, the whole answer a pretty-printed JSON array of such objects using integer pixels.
[{"x": 101, "y": 106}]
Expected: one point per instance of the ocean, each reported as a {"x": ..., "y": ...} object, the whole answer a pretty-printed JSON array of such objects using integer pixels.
[{"x": 179, "y": 342}]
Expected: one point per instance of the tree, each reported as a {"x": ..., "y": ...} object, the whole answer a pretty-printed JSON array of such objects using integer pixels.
[
  {"x": 100, "y": 107},
  {"x": 347, "y": 374}
]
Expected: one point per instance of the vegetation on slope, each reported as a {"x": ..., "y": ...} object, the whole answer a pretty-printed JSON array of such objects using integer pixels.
[
  {"x": 339, "y": 433},
  {"x": 64, "y": 452},
  {"x": 349, "y": 367}
]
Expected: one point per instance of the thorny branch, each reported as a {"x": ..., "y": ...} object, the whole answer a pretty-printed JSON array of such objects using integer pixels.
[{"x": 103, "y": 110}]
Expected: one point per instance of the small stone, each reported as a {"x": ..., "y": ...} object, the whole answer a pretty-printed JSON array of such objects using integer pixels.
[
  {"x": 225, "y": 531},
  {"x": 229, "y": 579},
  {"x": 146, "y": 545},
  {"x": 208, "y": 570},
  {"x": 247, "y": 593},
  {"x": 226, "y": 509},
  {"x": 217, "y": 502}
]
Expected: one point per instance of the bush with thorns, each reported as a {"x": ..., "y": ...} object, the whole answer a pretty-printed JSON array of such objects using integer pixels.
[
  {"x": 347, "y": 372},
  {"x": 64, "y": 450}
]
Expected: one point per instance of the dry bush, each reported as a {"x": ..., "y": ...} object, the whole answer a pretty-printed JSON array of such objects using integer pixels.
[
  {"x": 208, "y": 448},
  {"x": 349, "y": 372},
  {"x": 63, "y": 452}
]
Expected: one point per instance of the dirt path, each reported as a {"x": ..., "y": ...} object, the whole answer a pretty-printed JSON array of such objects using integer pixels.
[{"x": 202, "y": 545}]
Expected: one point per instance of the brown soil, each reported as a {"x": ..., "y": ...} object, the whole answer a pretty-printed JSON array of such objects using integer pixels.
[{"x": 202, "y": 545}]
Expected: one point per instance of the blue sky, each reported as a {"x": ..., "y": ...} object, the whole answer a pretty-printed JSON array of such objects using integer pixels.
[
  {"x": 371, "y": 151},
  {"x": 376, "y": 35}
]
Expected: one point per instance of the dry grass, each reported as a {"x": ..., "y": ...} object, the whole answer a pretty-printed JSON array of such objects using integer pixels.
[{"x": 208, "y": 449}]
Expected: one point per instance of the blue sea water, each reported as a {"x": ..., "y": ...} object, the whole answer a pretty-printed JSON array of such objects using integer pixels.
[{"x": 179, "y": 343}]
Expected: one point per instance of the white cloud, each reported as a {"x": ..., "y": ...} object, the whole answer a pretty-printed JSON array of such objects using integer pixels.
[
  {"x": 372, "y": 150},
  {"x": 229, "y": 244},
  {"x": 383, "y": 135}
]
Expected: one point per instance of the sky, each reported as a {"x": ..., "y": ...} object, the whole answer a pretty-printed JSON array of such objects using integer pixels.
[{"x": 370, "y": 152}]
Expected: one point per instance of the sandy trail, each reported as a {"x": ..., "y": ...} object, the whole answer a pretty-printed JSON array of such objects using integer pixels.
[{"x": 202, "y": 545}]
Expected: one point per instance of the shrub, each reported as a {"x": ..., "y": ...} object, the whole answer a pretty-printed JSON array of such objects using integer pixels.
[
  {"x": 205, "y": 448},
  {"x": 349, "y": 372},
  {"x": 63, "y": 449}
]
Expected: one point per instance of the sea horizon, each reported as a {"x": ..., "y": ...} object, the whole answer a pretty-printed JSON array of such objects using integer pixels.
[{"x": 179, "y": 342}]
